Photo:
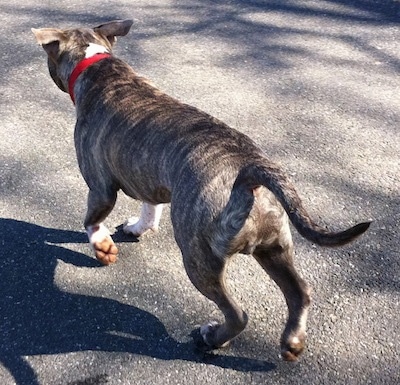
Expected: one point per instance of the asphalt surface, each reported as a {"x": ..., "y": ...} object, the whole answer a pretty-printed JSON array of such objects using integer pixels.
[{"x": 316, "y": 84}]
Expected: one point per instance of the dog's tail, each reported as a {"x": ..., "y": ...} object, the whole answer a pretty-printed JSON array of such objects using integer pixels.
[{"x": 271, "y": 177}]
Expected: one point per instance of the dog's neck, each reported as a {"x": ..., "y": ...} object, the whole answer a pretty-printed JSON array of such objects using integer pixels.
[{"x": 94, "y": 53}]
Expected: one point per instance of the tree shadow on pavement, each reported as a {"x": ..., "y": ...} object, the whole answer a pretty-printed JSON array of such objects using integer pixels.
[{"x": 38, "y": 318}]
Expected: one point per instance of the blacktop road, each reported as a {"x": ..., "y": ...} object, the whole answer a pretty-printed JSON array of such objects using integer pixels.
[{"x": 316, "y": 85}]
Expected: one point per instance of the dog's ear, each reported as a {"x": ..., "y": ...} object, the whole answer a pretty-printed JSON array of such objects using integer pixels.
[
  {"x": 113, "y": 29},
  {"x": 49, "y": 39}
]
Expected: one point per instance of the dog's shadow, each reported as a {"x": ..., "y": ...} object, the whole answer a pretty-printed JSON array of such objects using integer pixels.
[{"x": 36, "y": 317}]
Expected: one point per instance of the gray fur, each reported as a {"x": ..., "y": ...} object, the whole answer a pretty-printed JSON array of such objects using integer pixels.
[{"x": 226, "y": 196}]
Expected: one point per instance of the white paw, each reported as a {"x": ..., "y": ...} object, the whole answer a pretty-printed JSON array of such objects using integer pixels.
[
  {"x": 135, "y": 227},
  {"x": 149, "y": 219},
  {"x": 97, "y": 234}
]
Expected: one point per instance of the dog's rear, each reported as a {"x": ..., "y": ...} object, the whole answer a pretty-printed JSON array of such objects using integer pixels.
[
  {"x": 230, "y": 228},
  {"x": 255, "y": 221}
]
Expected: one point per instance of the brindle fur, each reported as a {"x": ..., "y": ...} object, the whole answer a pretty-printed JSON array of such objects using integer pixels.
[{"x": 226, "y": 196}]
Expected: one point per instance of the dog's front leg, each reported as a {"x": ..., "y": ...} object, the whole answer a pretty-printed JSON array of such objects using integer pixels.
[
  {"x": 99, "y": 206},
  {"x": 150, "y": 216}
]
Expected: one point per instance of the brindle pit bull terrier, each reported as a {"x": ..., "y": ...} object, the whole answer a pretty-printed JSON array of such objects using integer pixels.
[{"x": 226, "y": 196}]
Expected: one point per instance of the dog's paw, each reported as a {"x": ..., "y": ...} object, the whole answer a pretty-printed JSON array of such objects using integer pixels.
[
  {"x": 209, "y": 333},
  {"x": 136, "y": 227},
  {"x": 131, "y": 227},
  {"x": 292, "y": 349},
  {"x": 106, "y": 251},
  {"x": 102, "y": 243}
]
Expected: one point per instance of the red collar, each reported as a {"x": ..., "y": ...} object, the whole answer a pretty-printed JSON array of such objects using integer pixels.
[{"x": 80, "y": 67}]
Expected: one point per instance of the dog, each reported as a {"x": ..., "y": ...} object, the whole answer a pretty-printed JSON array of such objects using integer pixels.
[{"x": 226, "y": 196}]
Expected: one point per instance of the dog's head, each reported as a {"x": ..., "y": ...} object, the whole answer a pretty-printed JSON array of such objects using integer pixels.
[{"x": 65, "y": 48}]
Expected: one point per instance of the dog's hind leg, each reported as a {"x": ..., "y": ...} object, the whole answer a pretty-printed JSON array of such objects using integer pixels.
[
  {"x": 277, "y": 261},
  {"x": 99, "y": 206},
  {"x": 150, "y": 216},
  {"x": 207, "y": 274}
]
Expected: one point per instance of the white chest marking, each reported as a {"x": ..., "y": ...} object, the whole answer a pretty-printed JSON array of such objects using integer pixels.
[{"x": 94, "y": 49}]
